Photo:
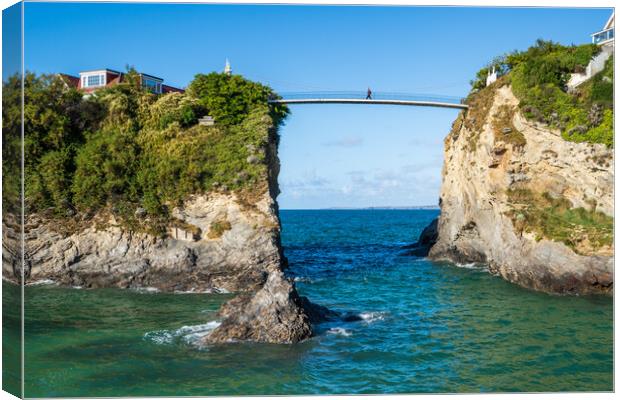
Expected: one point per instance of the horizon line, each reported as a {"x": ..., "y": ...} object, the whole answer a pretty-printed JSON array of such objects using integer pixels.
[{"x": 424, "y": 207}]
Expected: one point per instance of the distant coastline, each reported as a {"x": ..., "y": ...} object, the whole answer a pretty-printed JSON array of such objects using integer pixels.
[{"x": 367, "y": 208}]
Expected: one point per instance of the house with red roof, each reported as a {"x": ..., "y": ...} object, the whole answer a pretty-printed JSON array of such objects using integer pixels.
[{"x": 90, "y": 81}]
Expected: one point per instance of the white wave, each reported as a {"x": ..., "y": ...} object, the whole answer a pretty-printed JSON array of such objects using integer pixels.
[
  {"x": 190, "y": 291},
  {"x": 190, "y": 334},
  {"x": 205, "y": 291},
  {"x": 193, "y": 334},
  {"x": 76, "y": 287},
  {"x": 147, "y": 289},
  {"x": 159, "y": 337},
  {"x": 42, "y": 282},
  {"x": 302, "y": 279},
  {"x": 339, "y": 331},
  {"x": 370, "y": 317},
  {"x": 471, "y": 266}
]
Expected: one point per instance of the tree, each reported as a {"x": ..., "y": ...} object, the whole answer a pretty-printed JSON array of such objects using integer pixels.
[{"x": 229, "y": 99}]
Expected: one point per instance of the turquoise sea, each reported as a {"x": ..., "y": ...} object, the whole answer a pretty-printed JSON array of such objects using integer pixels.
[{"x": 426, "y": 327}]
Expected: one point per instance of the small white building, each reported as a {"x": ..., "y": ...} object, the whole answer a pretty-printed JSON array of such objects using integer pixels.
[{"x": 491, "y": 76}]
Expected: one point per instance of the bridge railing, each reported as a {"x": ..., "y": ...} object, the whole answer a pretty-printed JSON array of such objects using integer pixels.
[{"x": 361, "y": 95}]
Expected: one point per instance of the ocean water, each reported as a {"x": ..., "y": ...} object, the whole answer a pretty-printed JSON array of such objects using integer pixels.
[{"x": 426, "y": 327}]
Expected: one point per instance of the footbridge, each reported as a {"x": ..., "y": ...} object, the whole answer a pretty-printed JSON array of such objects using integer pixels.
[{"x": 401, "y": 99}]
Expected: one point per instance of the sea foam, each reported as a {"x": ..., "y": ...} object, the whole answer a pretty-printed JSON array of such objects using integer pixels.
[
  {"x": 370, "y": 317},
  {"x": 205, "y": 291},
  {"x": 190, "y": 334},
  {"x": 147, "y": 289},
  {"x": 476, "y": 266},
  {"x": 42, "y": 282},
  {"x": 339, "y": 331}
]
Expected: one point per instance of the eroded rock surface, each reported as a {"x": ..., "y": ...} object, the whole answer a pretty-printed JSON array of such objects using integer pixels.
[
  {"x": 105, "y": 254},
  {"x": 274, "y": 314},
  {"x": 477, "y": 221}
]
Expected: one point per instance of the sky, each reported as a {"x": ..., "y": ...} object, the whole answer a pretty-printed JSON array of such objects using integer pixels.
[{"x": 331, "y": 155}]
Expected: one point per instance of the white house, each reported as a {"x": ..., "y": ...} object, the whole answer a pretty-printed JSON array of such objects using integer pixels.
[
  {"x": 605, "y": 37},
  {"x": 89, "y": 81}
]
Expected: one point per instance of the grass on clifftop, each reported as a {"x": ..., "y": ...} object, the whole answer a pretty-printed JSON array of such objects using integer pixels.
[
  {"x": 134, "y": 154},
  {"x": 539, "y": 76},
  {"x": 584, "y": 231}
]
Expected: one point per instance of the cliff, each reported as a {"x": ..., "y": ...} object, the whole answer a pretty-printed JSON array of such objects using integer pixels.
[
  {"x": 219, "y": 242},
  {"x": 198, "y": 256},
  {"x": 517, "y": 196},
  {"x": 143, "y": 196}
]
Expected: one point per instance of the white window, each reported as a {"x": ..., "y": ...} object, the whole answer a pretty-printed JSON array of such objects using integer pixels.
[
  {"x": 151, "y": 85},
  {"x": 93, "y": 80}
]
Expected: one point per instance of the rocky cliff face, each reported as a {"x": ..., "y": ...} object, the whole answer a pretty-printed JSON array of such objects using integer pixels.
[
  {"x": 505, "y": 179},
  {"x": 219, "y": 242},
  {"x": 217, "y": 245}
]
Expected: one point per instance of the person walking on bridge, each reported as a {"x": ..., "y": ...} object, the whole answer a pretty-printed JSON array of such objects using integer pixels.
[{"x": 369, "y": 94}]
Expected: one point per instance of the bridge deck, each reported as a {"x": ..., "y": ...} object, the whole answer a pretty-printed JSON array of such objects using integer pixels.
[{"x": 403, "y": 99}]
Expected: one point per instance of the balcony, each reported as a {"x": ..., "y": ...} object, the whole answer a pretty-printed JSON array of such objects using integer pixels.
[{"x": 603, "y": 36}]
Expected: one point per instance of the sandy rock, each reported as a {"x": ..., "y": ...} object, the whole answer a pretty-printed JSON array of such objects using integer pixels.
[{"x": 474, "y": 225}]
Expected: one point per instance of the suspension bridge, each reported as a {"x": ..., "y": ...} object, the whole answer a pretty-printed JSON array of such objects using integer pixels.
[{"x": 361, "y": 97}]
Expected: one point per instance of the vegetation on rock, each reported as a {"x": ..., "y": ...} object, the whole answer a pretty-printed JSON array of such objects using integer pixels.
[
  {"x": 503, "y": 128},
  {"x": 217, "y": 228},
  {"x": 480, "y": 103},
  {"x": 126, "y": 150},
  {"x": 584, "y": 231},
  {"x": 539, "y": 79},
  {"x": 230, "y": 99}
]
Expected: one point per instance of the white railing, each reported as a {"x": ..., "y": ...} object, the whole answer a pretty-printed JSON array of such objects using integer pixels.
[{"x": 603, "y": 36}]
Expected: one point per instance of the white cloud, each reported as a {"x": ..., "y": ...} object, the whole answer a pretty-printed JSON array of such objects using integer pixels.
[
  {"x": 349, "y": 141},
  {"x": 416, "y": 183}
]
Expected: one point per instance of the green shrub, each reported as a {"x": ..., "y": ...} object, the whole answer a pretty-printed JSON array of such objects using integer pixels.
[
  {"x": 124, "y": 148},
  {"x": 597, "y": 134},
  {"x": 600, "y": 89},
  {"x": 11, "y": 146},
  {"x": 538, "y": 77},
  {"x": 105, "y": 168},
  {"x": 55, "y": 176},
  {"x": 174, "y": 107},
  {"x": 229, "y": 99}
]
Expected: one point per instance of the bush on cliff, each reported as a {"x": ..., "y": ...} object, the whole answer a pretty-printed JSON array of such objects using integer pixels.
[
  {"x": 11, "y": 146},
  {"x": 229, "y": 99},
  {"x": 585, "y": 231},
  {"x": 539, "y": 76},
  {"x": 124, "y": 148}
]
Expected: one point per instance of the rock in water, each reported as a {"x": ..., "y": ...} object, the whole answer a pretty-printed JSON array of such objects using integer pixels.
[
  {"x": 427, "y": 239},
  {"x": 274, "y": 314}
]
